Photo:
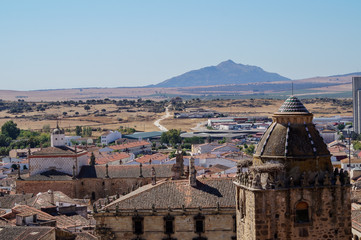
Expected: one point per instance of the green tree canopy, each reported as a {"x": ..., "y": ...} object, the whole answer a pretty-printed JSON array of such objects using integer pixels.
[
  {"x": 4, "y": 140},
  {"x": 10, "y": 129},
  {"x": 171, "y": 137},
  {"x": 78, "y": 130}
]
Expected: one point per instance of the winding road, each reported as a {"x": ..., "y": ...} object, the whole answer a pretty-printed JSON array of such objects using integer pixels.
[{"x": 157, "y": 122}]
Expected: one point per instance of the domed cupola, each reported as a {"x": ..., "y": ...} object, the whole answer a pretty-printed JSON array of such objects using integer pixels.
[{"x": 293, "y": 141}]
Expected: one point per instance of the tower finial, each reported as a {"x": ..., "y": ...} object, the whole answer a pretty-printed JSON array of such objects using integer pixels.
[{"x": 292, "y": 88}]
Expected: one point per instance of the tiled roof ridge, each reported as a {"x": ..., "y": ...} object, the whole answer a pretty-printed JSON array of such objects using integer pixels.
[
  {"x": 136, "y": 192},
  {"x": 293, "y": 104}
]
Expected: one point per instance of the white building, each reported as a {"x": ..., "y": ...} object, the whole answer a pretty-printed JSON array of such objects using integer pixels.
[
  {"x": 110, "y": 137},
  {"x": 58, "y": 157}
]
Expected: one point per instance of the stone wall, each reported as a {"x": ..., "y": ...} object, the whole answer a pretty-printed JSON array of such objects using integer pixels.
[
  {"x": 84, "y": 188},
  {"x": 67, "y": 187},
  {"x": 217, "y": 225},
  {"x": 270, "y": 214}
]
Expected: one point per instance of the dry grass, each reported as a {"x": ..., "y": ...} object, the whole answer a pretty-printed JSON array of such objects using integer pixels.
[
  {"x": 143, "y": 120},
  {"x": 185, "y": 124}
]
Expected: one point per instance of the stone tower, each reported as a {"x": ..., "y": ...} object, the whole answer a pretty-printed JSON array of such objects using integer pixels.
[
  {"x": 57, "y": 137},
  {"x": 290, "y": 190}
]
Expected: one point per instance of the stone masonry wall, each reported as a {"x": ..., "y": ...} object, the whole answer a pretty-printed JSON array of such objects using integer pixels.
[
  {"x": 217, "y": 226},
  {"x": 270, "y": 214}
]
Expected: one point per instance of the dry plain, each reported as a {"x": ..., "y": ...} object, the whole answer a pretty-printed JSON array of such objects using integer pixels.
[{"x": 112, "y": 117}]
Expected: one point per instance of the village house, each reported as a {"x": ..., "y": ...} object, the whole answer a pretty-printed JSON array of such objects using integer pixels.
[{"x": 109, "y": 137}]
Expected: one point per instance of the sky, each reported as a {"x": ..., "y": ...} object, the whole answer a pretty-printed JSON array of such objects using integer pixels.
[{"x": 92, "y": 43}]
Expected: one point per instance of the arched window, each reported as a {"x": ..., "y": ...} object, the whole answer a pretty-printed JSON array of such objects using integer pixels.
[{"x": 302, "y": 213}]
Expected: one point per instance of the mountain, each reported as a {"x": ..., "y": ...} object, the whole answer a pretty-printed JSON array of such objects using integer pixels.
[{"x": 227, "y": 72}]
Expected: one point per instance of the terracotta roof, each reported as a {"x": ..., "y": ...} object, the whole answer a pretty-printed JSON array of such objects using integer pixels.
[
  {"x": 51, "y": 175},
  {"x": 336, "y": 142},
  {"x": 205, "y": 156},
  {"x": 356, "y": 219},
  {"x": 84, "y": 236},
  {"x": 25, "y": 210},
  {"x": 130, "y": 145},
  {"x": 111, "y": 157},
  {"x": 353, "y": 160},
  {"x": 153, "y": 157},
  {"x": 293, "y": 104},
  {"x": 28, "y": 233},
  {"x": 43, "y": 199},
  {"x": 63, "y": 221},
  {"x": 217, "y": 168},
  {"x": 125, "y": 171},
  {"x": 175, "y": 194},
  {"x": 9, "y": 201},
  {"x": 64, "y": 150}
]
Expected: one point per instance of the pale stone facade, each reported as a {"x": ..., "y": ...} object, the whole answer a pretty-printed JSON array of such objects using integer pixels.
[
  {"x": 217, "y": 225},
  {"x": 39, "y": 164}
]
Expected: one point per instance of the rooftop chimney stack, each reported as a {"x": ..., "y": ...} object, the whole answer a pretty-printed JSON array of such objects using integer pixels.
[
  {"x": 154, "y": 177},
  {"x": 192, "y": 173}
]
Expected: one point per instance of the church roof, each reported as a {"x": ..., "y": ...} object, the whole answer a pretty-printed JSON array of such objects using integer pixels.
[
  {"x": 61, "y": 150},
  {"x": 293, "y": 104},
  {"x": 125, "y": 171},
  {"x": 174, "y": 194},
  {"x": 50, "y": 175}
]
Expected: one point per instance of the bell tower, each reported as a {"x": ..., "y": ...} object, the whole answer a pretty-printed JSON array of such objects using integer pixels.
[
  {"x": 290, "y": 190},
  {"x": 57, "y": 137}
]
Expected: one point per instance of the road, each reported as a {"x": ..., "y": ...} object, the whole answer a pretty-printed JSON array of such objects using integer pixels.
[{"x": 157, "y": 122}]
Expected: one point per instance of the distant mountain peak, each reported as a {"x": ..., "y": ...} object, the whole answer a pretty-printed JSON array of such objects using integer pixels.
[
  {"x": 228, "y": 62},
  {"x": 226, "y": 72}
]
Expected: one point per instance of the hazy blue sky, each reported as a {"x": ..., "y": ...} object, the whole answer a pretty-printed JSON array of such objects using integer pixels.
[{"x": 66, "y": 44}]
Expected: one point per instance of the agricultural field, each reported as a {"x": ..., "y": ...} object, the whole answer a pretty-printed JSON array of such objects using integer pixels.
[{"x": 103, "y": 115}]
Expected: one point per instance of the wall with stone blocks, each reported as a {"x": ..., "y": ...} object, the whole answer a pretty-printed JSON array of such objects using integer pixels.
[{"x": 270, "y": 214}]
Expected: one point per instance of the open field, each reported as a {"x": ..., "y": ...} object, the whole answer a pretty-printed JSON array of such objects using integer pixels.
[
  {"x": 313, "y": 86},
  {"x": 110, "y": 116}
]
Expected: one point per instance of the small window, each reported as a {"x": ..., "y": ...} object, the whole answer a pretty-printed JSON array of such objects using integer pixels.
[
  {"x": 199, "y": 224},
  {"x": 234, "y": 223},
  {"x": 302, "y": 215},
  {"x": 56, "y": 138},
  {"x": 138, "y": 225},
  {"x": 169, "y": 224}
]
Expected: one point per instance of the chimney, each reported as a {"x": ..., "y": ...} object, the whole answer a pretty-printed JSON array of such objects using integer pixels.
[
  {"x": 74, "y": 172},
  {"x": 140, "y": 170},
  {"x": 154, "y": 177},
  {"x": 51, "y": 193},
  {"x": 106, "y": 171},
  {"x": 178, "y": 167},
  {"x": 192, "y": 173},
  {"x": 19, "y": 177}
]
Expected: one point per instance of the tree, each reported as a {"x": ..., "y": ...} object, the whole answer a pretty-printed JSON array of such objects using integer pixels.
[
  {"x": 171, "y": 137},
  {"x": 250, "y": 150},
  {"x": 92, "y": 160},
  {"x": 341, "y": 126},
  {"x": 341, "y": 137},
  {"x": 194, "y": 140},
  {"x": 87, "y": 131},
  {"x": 46, "y": 128},
  {"x": 10, "y": 129},
  {"x": 87, "y": 107},
  {"x": 4, "y": 140},
  {"x": 78, "y": 130}
]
